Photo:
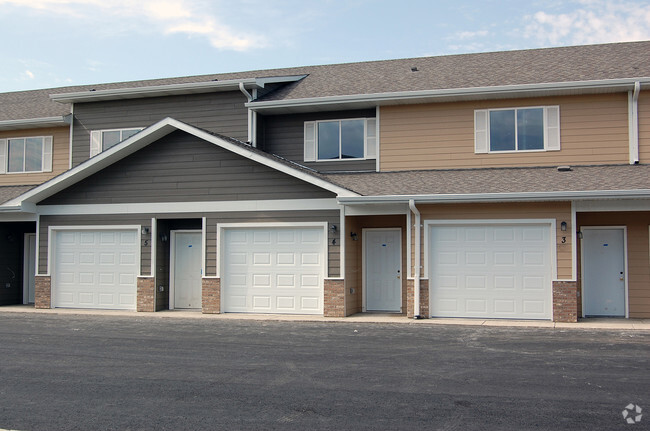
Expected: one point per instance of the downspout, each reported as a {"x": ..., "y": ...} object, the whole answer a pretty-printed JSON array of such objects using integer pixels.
[
  {"x": 633, "y": 115},
  {"x": 249, "y": 99},
  {"x": 416, "y": 261}
]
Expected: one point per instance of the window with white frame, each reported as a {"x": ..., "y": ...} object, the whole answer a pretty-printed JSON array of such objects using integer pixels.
[
  {"x": 24, "y": 155},
  {"x": 347, "y": 139},
  {"x": 102, "y": 140},
  {"x": 517, "y": 129}
]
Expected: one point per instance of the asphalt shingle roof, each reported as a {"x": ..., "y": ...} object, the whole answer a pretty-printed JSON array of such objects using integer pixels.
[
  {"x": 565, "y": 64},
  {"x": 7, "y": 193},
  {"x": 497, "y": 180}
]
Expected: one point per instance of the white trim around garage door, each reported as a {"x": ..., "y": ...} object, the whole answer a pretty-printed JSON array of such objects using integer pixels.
[{"x": 552, "y": 240}]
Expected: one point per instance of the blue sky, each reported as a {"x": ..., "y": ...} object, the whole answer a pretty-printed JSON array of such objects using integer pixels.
[{"x": 52, "y": 43}]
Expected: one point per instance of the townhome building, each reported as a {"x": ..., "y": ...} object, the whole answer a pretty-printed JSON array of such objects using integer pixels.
[{"x": 508, "y": 185}]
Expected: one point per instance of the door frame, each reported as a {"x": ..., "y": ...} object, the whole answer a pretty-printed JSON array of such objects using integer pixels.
[
  {"x": 172, "y": 260},
  {"x": 364, "y": 267},
  {"x": 26, "y": 259},
  {"x": 582, "y": 266}
]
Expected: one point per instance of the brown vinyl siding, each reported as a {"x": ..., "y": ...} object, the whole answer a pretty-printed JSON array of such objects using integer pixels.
[
  {"x": 593, "y": 130},
  {"x": 638, "y": 255},
  {"x": 284, "y": 135},
  {"x": 221, "y": 112},
  {"x": 183, "y": 168},
  {"x": 560, "y": 211},
  {"x": 644, "y": 127},
  {"x": 331, "y": 217},
  {"x": 60, "y": 155}
]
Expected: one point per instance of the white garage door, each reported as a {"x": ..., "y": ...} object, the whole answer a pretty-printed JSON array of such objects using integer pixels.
[
  {"x": 490, "y": 271},
  {"x": 273, "y": 270},
  {"x": 95, "y": 269}
]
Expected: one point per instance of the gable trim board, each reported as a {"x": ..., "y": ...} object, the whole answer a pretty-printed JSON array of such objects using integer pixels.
[{"x": 148, "y": 136}]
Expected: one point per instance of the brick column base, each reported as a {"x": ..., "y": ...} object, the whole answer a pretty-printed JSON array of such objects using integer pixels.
[
  {"x": 42, "y": 291},
  {"x": 334, "y": 305},
  {"x": 211, "y": 296},
  {"x": 424, "y": 298},
  {"x": 146, "y": 296},
  {"x": 565, "y": 301}
]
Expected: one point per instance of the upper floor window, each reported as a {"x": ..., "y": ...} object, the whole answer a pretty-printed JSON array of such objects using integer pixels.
[
  {"x": 102, "y": 140},
  {"x": 341, "y": 139},
  {"x": 24, "y": 155},
  {"x": 517, "y": 129}
]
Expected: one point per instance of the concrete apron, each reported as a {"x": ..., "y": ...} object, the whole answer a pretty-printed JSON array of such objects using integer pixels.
[{"x": 590, "y": 323}]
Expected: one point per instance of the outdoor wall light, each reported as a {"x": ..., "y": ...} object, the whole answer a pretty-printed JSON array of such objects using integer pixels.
[
  {"x": 145, "y": 230},
  {"x": 164, "y": 237},
  {"x": 333, "y": 228},
  {"x": 563, "y": 226},
  {"x": 354, "y": 236}
]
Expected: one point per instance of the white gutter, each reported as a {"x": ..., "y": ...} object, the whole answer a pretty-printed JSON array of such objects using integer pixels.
[
  {"x": 249, "y": 98},
  {"x": 33, "y": 123},
  {"x": 472, "y": 92},
  {"x": 417, "y": 262},
  {"x": 633, "y": 118},
  {"x": 501, "y": 197}
]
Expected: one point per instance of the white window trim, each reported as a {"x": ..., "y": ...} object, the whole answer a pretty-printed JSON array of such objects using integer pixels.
[
  {"x": 482, "y": 131},
  {"x": 46, "y": 155},
  {"x": 311, "y": 139},
  {"x": 97, "y": 141}
]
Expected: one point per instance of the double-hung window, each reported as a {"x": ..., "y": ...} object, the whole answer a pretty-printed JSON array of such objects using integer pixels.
[
  {"x": 347, "y": 139},
  {"x": 102, "y": 140},
  {"x": 517, "y": 129},
  {"x": 24, "y": 155}
]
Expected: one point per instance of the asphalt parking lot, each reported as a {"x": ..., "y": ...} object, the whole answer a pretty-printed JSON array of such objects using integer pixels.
[{"x": 65, "y": 372}]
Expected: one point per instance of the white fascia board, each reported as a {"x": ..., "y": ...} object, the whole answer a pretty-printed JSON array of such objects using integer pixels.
[
  {"x": 146, "y": 137},
  {"x": 28, "y": 123},
  {"x": 472, "y": 92},
  {"x": 500, "y": 197},
  {"x": 193, "y": 207}
]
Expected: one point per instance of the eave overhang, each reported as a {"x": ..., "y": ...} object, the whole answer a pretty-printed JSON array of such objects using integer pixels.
[
  {"x": 170, "y": 89},
  {"x": 363, "y": 101},
  {"x": 35, "y": 123},
  {"x": 498, "y": 197}
]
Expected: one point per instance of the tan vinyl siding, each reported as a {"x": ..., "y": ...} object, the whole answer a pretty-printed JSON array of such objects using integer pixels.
[
  {"x": 593, "y": 130},
  {"x": 60, "y": 155},
  {"x": 638, "y": 254},
  {"x": 559, "y": 211},
  {"x": 644, "y": 127}
]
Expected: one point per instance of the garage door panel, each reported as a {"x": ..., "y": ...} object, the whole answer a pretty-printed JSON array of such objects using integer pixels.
[
  {"x": 273, "y": 270},
  {"x": 491, "y": 271},
  {"x": 95, "y": 269}
]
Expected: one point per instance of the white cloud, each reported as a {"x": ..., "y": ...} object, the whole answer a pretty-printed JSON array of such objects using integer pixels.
[
  {"x": 190, "y": 17},
  {"x": 465, "y": 35},
  {"x": 29, "y": 74},
  {"x": 594, "y": 21}
]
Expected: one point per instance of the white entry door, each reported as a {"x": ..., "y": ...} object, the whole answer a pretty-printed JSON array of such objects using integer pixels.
[
  {"x": 603, "y": 257},
  {"x": 383, "y": 272},
  {"x": 186, "y": 269}
]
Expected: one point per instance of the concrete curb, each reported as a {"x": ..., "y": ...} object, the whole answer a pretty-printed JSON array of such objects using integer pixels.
[{"x": 594, "y": 323}]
